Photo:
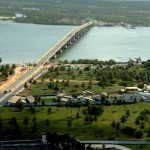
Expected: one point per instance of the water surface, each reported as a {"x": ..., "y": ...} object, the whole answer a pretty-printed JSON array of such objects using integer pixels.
[
  {"x": 116, "y": 43},
  {"x": 25, "y": 43}
]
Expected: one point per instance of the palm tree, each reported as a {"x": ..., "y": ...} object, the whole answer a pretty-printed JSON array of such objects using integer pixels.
[
  {"x": 69, "y": 124},
  {"x": 117, "y": 125},
  {"x": 137, "y": 121},
  {"x": 47, "y": 122},
  {"x": 49, "y": 110},
  {"x": 123, "y": 119},
  {"x": 26, "y": 121},
  {"x": 34, "y": 120},
  {"x": 113, "y": 124}
]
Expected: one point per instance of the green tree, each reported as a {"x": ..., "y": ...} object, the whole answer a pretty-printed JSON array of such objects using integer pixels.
[
  {"x": 26, "y": 121},
  {"x": 69, "y": 124}
]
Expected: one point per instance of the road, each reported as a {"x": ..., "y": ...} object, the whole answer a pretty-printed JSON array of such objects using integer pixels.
[{"x": 117, "y": 142}]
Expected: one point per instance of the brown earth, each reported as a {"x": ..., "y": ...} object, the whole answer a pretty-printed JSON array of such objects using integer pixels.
[{"x": 18, "y": 72}]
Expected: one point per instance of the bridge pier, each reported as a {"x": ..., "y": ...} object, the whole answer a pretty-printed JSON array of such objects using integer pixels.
[
  {"x": 64, "y": 46},
  {"x": 53, "y": 57},
  {"x": 59, "y": 52}
]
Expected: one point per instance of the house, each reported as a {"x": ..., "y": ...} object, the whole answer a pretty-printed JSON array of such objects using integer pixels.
[
  {"x": 87, "y": 93},
  {"x": 16, "y": 99},
  {"x": 133, "y": 89},
  {"x": 30, "y": 99},
  {"x": 146, "y": 88},
  {"x": 131, "y": 97},
  {"x": 66, "y": 98},
  {"x": 60, "y": 95},
  {"x": 85, "y": 99}
]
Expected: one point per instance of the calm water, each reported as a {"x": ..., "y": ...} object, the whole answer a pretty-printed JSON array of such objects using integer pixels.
[
  {"x": 116, "y": 43},
  {"x": 24, "y": 43}
]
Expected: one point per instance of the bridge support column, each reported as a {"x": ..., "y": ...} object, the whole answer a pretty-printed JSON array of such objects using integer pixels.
[{"x": 54, "y": 56}]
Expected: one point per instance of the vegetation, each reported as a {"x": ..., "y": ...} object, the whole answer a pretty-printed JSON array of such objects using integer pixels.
[
  {"x": 96, "y": 76},
  {"x": 6, "y": 70},
  {"x": 77, "y": 11},
  {"x": 32, "y": 121}
]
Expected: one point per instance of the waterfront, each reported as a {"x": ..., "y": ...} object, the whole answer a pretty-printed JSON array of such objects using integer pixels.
[{"x": 25, "y": 43}]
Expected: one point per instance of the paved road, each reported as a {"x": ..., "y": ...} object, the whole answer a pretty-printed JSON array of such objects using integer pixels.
[
  {"x": 117, "y": 142},
  {"x": 120, "y": 147}
]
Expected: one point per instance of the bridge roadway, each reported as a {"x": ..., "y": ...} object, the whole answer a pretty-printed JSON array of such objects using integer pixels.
[{"x": 18, "y": 84}]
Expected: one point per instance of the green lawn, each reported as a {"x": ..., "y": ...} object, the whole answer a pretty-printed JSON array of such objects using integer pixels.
[{"x": 59, "y": 116}]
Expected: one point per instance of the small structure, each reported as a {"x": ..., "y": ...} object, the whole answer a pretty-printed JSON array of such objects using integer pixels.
[
  {"x": 60, "y": 95},
  {"x": 146, "y": 88},
  {"x": 30, "y": 99},
  {"x": 66, "y": 98},
  {"x": 133, "y": 89},
  {"x": 131, "y": 97},
  {"x": 87, "y": 93},
  {"x": 16, "y": 99}
]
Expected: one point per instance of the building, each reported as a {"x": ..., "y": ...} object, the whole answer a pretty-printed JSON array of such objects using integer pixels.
[
  {"x": 146, "y": 88},
  {"x": 131, "y": 97},
  {"x": 133, "y": 89},
  {"x": 15, "y": 100},
  {"x": 87, "y": 93},
  {"x": 30, "y": 99}
]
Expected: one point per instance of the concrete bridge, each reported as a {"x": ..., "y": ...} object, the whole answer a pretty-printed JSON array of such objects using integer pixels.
[
  {"x": 65, "y": 42},
  {"x": 18, "y": 84}
]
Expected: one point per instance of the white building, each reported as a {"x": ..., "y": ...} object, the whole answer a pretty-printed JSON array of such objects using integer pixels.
[{"x": 131, "y": 97}]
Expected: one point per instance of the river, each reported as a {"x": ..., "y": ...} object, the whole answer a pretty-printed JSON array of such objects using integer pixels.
[
  {"x": 118, "y": 43},
  {"x": 25, "y": 43}
]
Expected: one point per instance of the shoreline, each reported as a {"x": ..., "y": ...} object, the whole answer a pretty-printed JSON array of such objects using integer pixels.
[{"x": 99, "y": 23}]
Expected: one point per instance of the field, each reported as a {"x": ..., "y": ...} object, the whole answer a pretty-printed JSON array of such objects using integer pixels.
[{"x": 58, "y": 121}]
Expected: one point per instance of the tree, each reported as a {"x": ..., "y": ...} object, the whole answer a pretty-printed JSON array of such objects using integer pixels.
[
  {"x": 26, "y": 121},
  {"x": 117, "y": 125},
  {"x": 69, "y": 124},
  {"x": 63, "y": 142},
  {"x": 49, "y": 110},
  {"x": 123, "y": 119},
  {"x": 47, "y": 122},
  {"x": 113, "y": 124},
  {"x": 139, "y": 134},
  {"x": 13, "y": 121},
  {"x": 20, "y": 105}
]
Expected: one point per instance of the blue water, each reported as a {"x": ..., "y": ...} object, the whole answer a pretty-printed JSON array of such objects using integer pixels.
[
  {"x": 116, "y": 43},
  {"x": 25, "y": 43}
]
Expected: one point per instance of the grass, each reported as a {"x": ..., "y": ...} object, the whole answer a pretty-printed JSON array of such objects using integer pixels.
[{"x": 59, "y": 116}]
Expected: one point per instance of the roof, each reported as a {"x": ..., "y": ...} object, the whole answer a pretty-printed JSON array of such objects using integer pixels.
[
  {"x": 30, "y": 99},
  {"x": 87, "y": 92},
  {"x": 61, "y": 95},
  {"x": 131, "y": 88},
  {"x": 89, "y": 98},
  {"x": 67, "y": 96},
  {"x": 64, "y": 99},
  {"x": 14, "y": 99}
]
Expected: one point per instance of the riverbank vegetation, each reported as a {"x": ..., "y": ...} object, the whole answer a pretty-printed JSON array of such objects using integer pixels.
[{"x": 76, "y": 12}]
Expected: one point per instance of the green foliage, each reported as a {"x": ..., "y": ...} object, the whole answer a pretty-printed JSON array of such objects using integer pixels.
[{"x": 75, "y": 12}]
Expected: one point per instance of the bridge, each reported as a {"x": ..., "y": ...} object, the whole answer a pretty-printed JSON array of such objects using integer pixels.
[{"x": 36, "y": 70}]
